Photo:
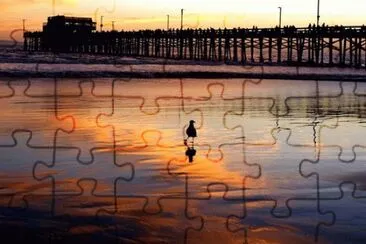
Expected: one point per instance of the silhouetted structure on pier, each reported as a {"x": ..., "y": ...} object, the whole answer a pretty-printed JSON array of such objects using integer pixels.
[
  {"x": 60, "y": 33},
  {"x": 314, "y": 45}
]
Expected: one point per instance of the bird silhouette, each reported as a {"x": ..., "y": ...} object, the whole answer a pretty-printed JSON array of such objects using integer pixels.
[{"x": 191, "y": 132}]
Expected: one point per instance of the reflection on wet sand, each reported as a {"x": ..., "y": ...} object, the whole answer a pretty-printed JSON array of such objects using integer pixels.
[
  {"x": 190, "y": 153},
  {"x": 118, "y": 169}
]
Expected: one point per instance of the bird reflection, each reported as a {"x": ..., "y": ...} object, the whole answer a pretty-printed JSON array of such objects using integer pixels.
[{"x": 190, "y": 153}]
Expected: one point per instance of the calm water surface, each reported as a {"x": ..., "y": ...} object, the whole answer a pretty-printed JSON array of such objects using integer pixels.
[{"x": 104, "y": 160}]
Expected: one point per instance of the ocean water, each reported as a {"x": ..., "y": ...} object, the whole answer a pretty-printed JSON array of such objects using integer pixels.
[{"x": 274, "y": 161}]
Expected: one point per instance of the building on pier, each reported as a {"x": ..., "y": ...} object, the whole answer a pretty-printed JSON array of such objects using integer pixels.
[
  {"x": 61, "y": 32},
  {"x": 69, "y": 24}
]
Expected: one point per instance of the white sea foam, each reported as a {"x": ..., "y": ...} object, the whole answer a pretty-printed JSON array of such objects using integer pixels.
[{"x": 21, "y": 63}]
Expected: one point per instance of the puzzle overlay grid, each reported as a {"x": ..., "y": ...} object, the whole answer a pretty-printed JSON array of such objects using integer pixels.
[{"x": 104, "y": 160}]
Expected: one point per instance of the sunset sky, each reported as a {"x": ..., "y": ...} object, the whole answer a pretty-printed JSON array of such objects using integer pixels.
[{"x": 151, "y": 14}]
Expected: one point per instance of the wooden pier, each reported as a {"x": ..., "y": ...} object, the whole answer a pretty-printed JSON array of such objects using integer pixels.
[{"x": 343, "y": 46}]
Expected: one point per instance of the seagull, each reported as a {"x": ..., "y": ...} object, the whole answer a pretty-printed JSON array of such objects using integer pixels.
[{"x": 191, "y": 131}]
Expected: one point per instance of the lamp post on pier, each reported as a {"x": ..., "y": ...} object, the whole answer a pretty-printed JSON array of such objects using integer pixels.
[
  {"x": 23, "y": 25},
  {"x": 280, "y": 17},
  {"x": 167, "y": 22},
  {"x": 101, "y": 23},
  {"x": 181, "y": 18},
  {"x": 318, "y": 14}
]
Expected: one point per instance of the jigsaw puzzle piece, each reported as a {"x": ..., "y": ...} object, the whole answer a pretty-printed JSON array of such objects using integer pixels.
[
  {"x": 360, "y": 92},
  {"x": 105, "y": 87},
  {"x": 5, "y": 90},
  {"x": 16, "y": 167},
  {"x": 323, "y": 102},
  {"x": 273, "y": 90},
  {"x": 204, "y": 89},
  {"x": 80, "y": 210},
  {"x": 85, "y": 108},
  {"x": 284, "y": 99},
  {"x": 69, "y": 87},
  {"x": 41, "y": 88},
  {"x": 230, "y": 170},
  {"x": 33, "y": 225},
  {"x": 346, "y": 134},
  {"x": 31, "y": 112},
  {"x": 130, "y": 224},
  {"x": 279, "y": 178},
  {"x": 97, "y": 87},
  {"x": 304, "y": 131},
  {"x": 301, "y": 226},
  {"x": 163, "y": 89},
  {"x": 215, "y": 211},
  {"x": 258, "y": 117},
  {"x": 350, "y": 221},
  {"x": 307, "y": 115},
  {"x": 346, "y": 102},
  {"x": 85, "y": 201},
  {"x": 65, "y": 171},
  {"x": 151, "y": 177},
  {"x": 212, "y": 132},
  {"x": 330, "y": 172},
  {"x": 72, "y": 217},
  {"x": 359, "y": 89},
  {"x": 254, "y": 122}
]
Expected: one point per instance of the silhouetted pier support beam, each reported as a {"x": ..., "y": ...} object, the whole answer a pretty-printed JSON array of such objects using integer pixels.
[
  {"x": 270, "y": 49},
  {"x": 279, "y": 49},
  {"x": 181, "y": 42},
  {"x": 330, "y": 45},
  {"x": 25, "y": 44},
  {"x": 261, "y": 59},
  {"x": 317, "y": 45},
  {"x": 219, "y": 45},
  {"x": 235, "y": 45}
]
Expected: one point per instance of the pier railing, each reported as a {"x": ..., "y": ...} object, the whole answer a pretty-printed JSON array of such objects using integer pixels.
[{"x": 313, "y": 45}]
